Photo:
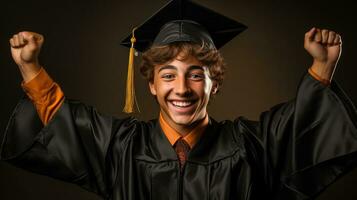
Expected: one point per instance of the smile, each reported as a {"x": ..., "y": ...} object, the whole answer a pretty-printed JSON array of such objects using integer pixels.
[{"x": 182, "y": 104}]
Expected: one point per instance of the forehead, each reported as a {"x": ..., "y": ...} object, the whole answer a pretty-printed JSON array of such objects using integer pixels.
[{"x": 181, "y": 62}]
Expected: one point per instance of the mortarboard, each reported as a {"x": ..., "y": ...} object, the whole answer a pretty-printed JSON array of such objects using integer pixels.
[{"x": 178, "y": 21}]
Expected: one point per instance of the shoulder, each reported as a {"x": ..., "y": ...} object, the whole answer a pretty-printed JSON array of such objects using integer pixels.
[
  {"x": 130, "y": 135},
  {"x": 244, "y": 125},
  {"x": 132, "y": 127},
  {"x": 234, "y": 134},
  {"x": 233, "y": 130}
]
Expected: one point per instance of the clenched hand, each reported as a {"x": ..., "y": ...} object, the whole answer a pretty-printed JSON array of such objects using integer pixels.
[
  {"x": 25, "y": 48},
  {"x": 325, "y": 47}
]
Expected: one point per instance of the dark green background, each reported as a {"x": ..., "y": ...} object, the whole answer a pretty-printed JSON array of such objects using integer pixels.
[{"x": 82, "y": 53}]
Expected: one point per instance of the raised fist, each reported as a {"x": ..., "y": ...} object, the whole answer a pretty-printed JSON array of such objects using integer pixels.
[
  {"x": 25, "y": 47},
  {"x": 323, "y": 45}
]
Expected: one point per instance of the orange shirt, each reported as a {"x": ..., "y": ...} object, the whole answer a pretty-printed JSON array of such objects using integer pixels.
[
  {"x": 47, "y": 97},
  {"x": 191, "y": 138}
]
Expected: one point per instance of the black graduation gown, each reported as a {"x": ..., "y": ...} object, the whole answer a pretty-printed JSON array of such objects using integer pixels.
[{"x": 294, "y": 151}]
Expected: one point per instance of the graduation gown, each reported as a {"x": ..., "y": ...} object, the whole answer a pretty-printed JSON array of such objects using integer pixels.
[{"x": 294, "y": 151}]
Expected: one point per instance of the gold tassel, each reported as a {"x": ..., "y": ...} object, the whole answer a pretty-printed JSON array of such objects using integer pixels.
[{"x": 130, "y": 98}]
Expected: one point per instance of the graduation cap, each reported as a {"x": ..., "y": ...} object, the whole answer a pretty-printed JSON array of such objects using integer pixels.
[{"x": 178, "y": 21}]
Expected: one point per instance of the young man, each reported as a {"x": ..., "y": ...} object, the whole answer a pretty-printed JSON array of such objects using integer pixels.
[{"x": 294, "y": 151}]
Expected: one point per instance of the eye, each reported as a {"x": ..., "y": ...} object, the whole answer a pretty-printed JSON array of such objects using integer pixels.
[
  {"x": 168, "y": 77},
  {"x": 196, "y": 76}
]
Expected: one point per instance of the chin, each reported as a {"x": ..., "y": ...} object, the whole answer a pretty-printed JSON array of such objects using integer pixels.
[{"x": 182, "y": 120}]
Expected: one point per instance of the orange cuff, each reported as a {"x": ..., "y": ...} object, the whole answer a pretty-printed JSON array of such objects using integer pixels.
[
  {"x": 317, "y": 77},
  {"x": 46, "y": 95},
  {"x": 38, "y": 87}
]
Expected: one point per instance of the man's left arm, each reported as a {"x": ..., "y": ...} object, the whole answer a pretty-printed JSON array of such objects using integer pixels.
[{"x": 304, "y": 145}]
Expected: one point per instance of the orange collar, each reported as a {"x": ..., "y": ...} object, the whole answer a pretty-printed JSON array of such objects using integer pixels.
[{"x": 191, "y": 138}]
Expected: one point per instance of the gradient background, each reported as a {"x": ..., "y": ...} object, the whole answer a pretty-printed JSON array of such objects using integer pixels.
[{"x": 82, "y": 53}]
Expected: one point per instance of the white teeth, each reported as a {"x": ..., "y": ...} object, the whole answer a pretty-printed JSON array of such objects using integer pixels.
[{"x": 182, "y": 103}]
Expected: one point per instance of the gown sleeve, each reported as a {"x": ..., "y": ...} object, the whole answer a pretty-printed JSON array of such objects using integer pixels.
[
  {"x": 78, "y": 145},
  {"x": 302, "y": 146}
]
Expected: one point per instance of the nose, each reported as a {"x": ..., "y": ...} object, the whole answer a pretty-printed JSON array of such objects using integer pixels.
[{"x": 182, "y": 87}]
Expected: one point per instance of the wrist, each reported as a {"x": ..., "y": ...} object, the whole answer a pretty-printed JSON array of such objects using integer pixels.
[
  {"x": 29, "y": 70},
  {"x": 324, "y": 70}
]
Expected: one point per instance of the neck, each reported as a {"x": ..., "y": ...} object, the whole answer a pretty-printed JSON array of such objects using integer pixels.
[{"x": 182, "y": 129}]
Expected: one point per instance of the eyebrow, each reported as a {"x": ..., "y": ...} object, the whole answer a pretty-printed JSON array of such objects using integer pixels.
[
  {"x": 193, "y": 67},
  {"x": 167, "y": 67}
]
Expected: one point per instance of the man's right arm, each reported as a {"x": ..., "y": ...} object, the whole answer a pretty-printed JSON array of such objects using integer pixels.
[
  {"x": 46, "y": 95},
  {"x": 75, "y": 144}
]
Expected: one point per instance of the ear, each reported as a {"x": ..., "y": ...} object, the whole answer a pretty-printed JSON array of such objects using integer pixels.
[
  {"x": 152, "y": 88},
  {"x": 214, "y": 87}
]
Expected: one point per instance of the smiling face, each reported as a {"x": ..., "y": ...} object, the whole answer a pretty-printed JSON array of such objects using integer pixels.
[{"x": 182, "y": 88}]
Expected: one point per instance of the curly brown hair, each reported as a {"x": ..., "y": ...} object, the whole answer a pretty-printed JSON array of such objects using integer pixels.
[{"x": 158, "y": 55}]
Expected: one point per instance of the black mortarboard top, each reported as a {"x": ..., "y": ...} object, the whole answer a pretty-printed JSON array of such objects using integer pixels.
[
  {"x": 178, "y": 21},
  {"x": 220, "y": 28}
]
